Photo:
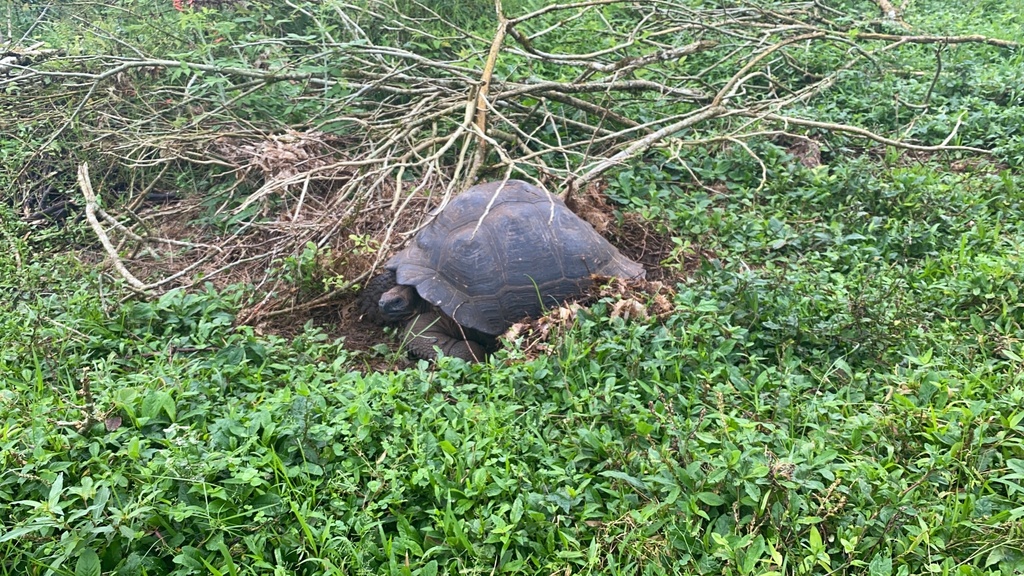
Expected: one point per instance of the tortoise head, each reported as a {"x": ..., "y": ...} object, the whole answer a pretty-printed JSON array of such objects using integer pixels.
[{"x": 400, "y": 303}]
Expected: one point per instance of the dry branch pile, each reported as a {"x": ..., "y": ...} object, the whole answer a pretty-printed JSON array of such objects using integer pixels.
[{"x": 401, "y": 112}]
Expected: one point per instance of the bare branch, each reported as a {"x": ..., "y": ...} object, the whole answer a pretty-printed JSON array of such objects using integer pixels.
[
  {"x": 972, "y": 39},
  {"x": 90, "y": 214},
  {"x": 644, "y": 143},
  {"x": 856, "y": 131}
]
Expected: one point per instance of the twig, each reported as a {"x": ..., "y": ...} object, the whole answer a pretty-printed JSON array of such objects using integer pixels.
[
  {"x": 90, "y": 214},
  {"x": 972, "y": 39},
  {"x": 862, "y": 132},
  {"x": 956, "y": 127},
  {"x": 482, "y": 92},
  {"x": 935, "y": 77},
  {"x": 764, "y": 169},
  {"x": 643, "y": 144},
  {"x": 728, "y": 89},
  {"x": 569, "y": 6}
]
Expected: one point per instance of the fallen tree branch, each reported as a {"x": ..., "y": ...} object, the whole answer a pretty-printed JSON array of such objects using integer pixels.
[
  {"x": 888, "y": 10},
  {"x": 972, "y": 39},
  {"x": 642, "y": 145},
  {"x": 482, "y": 91},
  {"x": 857, "y": 131},
  {"x": 90, "y": 213}
]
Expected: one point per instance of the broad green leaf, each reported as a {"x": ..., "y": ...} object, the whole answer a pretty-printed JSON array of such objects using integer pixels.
[
  {"x": 710, "y": 498},
  {"x": 634, "y": 482},
  {"x": 19, "y": 532},
  {"x": 815, "y": 539},
  {"x": 88, "y": 563},
  {"x": 1016, "y": 464},
  {"x": 55, "y": 491},
  {"x": 517, "y": 510},
  {"x": 881, "y": 565},
  {"x": 752, "y": 555}
]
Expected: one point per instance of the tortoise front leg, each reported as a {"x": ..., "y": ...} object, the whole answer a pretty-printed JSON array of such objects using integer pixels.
[{"x": 431, "y": 329}]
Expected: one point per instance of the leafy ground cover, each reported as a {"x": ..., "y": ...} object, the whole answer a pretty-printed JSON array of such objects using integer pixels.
[{"x": 839, "y": 388}]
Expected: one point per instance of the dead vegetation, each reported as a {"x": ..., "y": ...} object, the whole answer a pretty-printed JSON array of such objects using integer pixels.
[
  {"x": 185, "y": 187},
  {"x": 631, "y": 300}
]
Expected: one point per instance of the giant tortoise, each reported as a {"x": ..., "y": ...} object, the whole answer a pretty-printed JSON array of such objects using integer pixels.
[{"x": 496, "y": 254}]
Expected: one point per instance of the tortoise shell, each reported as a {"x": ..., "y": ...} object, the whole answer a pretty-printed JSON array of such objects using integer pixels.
[{"x": 497, "y": 254}]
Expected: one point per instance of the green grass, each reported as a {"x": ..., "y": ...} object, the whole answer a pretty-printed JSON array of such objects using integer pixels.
[{"x": 839, "y": 389}]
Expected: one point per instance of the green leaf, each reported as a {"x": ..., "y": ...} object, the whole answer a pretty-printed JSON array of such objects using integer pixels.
[
  {"x": 88, "y": 563},
  {"x": 1012, "y": 487},
  {"x": 977, "y": 323},
  {"x": 19, "y": 532},
  {"x": 752, "y": 555},
  {"x": 815, "y": 538},
  {"x": 1017, "y": 465},
  {"x": 711, "y": 499},
  {"x": 1015, "y": 419},
  {"x": 757, "y": 547},
  {"x": 644, "y": 428},
  {"x": 881, "y": 565},
  {"x": 157, "y": 401},
  {"x": 634, "y": 482},
  {"x": 517, "y": 511},
  {"x": 55, "y": 491}
]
